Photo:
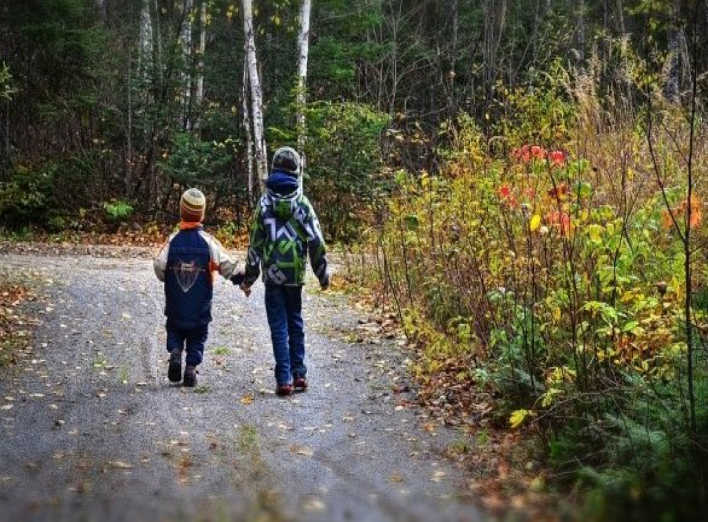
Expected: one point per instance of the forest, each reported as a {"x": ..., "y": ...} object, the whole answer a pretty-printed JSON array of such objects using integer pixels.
[{"x": 518, "y": 184}]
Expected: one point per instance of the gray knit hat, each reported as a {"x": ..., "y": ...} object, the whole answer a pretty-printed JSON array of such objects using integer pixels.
[{"x": 286, "y": 159}]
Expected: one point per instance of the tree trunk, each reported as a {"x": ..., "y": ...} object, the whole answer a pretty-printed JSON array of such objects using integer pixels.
[
  {"x": 304, "y": 46},
  {"x": 199, "y": 94},
  {"x": 157, "y": 42},
  {"x": 672, "y": 67},
  {"x": 128, "y": 135},
  {"x": 186, "y": 41},
  {"x": 145, "y": 51},
  {"x": 580, "y": 6},
  {"x": 101, "y": 5},
  {"x": 495, "y": 19},
  {"x": 249, "y": 131},
  {"x": 256, "y": 95}
]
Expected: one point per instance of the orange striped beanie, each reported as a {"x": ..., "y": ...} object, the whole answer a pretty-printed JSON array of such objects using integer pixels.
[{"x": 192, "y": 206}]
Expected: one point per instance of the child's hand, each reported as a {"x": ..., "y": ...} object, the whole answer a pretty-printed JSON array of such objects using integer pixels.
[{"x": 246, "y": 289}]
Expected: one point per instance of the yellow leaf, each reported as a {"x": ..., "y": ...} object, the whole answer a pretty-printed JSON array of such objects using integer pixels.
[
  {"x": 518, "y": 417},
  {"x": 595, "y": 231},
  {"x": 535, "y": 222}
]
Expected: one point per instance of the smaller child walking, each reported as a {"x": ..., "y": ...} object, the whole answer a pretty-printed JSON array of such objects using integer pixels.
[
  {"x": 186, "y": 264},
  {"x": 284, "y": 230}
]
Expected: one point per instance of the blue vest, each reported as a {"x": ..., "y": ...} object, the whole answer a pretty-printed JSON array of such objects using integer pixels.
[{"x": 188, "y": 281}]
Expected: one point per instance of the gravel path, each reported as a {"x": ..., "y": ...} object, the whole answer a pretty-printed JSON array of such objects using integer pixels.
[{"x": 92, "y": 429}]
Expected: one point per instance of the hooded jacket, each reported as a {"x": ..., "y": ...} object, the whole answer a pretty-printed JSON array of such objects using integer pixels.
[{"x": 284, "y": 231}]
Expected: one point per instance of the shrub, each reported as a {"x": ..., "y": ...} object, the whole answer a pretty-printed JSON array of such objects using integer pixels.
[
  {"x": 28, "y": 196},
  {"x": 569, "y": 275}
]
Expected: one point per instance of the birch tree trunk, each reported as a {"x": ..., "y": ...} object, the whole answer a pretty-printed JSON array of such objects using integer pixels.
[
  {"x": 157, "y": 42},
  {"x": 186, "y": 41},
  {"x": 145, "y": 51},
  {"x": 304, "y": 46},
  {"x": 101, "y": 4},
  {"x": 201, "y": 48},
  {"x": 249, "y": 131},
  {"x": 256, "y": 95}
]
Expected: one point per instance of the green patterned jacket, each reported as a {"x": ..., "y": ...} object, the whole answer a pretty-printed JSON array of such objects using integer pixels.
[{"x": 284, "y": 230}]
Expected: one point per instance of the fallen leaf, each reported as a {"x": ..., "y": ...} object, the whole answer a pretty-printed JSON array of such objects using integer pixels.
[
  {"x": 117, "y": 464},
  {"x": 396, "y": 477},
  {"x": 314, "y": 504},
  {"x": 438, "y": 476},
  {"x": 301, "y": 450}
]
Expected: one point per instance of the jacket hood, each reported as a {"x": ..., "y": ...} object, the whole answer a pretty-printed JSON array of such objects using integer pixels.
[{"x": 282, "y": 193}]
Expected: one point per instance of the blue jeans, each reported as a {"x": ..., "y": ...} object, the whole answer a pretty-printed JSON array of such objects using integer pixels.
[
  {"x": 284, "y": 310},
  {"x": 195, "y": 338}
]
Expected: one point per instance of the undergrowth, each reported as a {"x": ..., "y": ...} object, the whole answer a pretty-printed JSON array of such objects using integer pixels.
[{"x": 552, "y": 266}]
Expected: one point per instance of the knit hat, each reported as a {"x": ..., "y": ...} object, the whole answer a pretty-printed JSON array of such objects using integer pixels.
[
  {"x": 192, "y": 206},
  {"x": 287, "y": 160}
]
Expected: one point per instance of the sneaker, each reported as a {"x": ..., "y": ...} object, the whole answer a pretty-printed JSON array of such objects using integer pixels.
[
  {"x": 299, "y": 383},
  {"x": 284, "y": 390},
  {"x": 190, "y": 376},
  {"x": 174, "y": 370}
]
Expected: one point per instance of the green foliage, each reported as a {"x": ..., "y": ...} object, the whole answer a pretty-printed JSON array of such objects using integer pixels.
[
  {"x": 344, "y": 163},
  {"x": 28, "y": 196},
  {"x": 190, "y": 160},
  {"x": 46, "y": 192},
  {"x": 6, "y": 82},
  {"x": 118, "y": 210}
]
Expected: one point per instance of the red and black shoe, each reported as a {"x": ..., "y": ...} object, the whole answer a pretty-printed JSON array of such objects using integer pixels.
[
  {"x": 284, "y": 390},
  {"x": 174, "y": 370},
  {"x": 299, "y": 383}
]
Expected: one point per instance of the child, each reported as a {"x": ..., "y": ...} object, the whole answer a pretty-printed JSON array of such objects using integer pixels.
[
  {"x": 185, "y": 264},
  {"x": 284, "y": 229}
]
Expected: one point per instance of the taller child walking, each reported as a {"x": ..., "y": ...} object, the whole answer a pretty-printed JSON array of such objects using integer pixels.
[{"x": 284, "y": 231}]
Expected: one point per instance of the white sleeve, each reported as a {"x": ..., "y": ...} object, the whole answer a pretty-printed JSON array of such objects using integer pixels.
[
  {"x": 160, "y": 262},
  {"x": 221, "y": 260}
]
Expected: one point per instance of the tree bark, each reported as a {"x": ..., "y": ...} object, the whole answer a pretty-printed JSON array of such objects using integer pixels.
[
  {"x": 249, "y": 131},
  {"x": 256, "y": 94},
  {"x": 145, "y": 52},
  {"x": 672, "y": 67},
  {"x": 201, "y": 48},
  {"x": 101, "y": 5},
  {"x": 186, "y": 41},
  {"x": 304, "y": 46},
  {"x": 495, "y": 19}
]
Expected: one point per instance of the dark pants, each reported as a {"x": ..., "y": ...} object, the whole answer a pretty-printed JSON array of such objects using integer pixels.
[
  {"x": 195, "y": 339},
  {"x": 284, "y": 310}
]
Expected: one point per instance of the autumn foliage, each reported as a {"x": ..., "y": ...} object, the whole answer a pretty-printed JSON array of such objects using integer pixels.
[{"x": 549, "y": 276}]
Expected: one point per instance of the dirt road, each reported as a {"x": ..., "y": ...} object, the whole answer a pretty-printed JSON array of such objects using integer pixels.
[{"x": 92, "y": 430}]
